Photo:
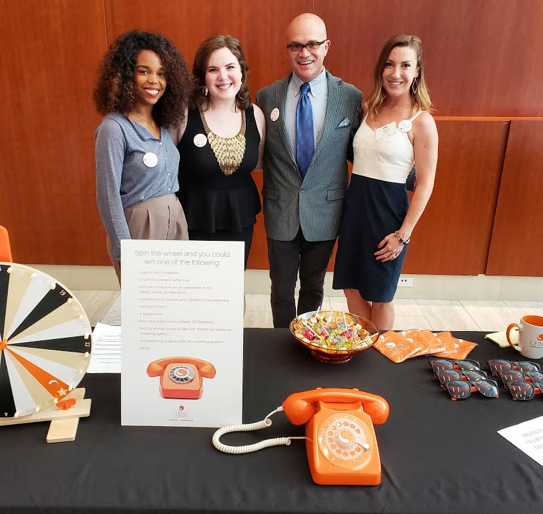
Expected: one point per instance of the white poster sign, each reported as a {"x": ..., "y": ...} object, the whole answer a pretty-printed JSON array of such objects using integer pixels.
[{"x": 182, "y": 333}]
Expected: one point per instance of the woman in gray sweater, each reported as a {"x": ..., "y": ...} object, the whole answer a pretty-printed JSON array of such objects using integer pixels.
[{"x": 143, "y": 88}]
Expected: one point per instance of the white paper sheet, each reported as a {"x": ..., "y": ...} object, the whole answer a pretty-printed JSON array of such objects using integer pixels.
[
  {"x": 528, "y": 437},
  {"x": 106, "y": 349},
  {"x": 182, "y": 325}
]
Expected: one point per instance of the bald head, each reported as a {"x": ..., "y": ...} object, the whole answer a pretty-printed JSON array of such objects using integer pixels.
[
  {"x": 308, "y": 62},
  {"x": 306, "y": 23}
]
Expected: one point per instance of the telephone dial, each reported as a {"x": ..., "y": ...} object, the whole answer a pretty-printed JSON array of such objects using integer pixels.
[
  {"x": 181, "y": 377},
  {"x": 340, "y": 438}
]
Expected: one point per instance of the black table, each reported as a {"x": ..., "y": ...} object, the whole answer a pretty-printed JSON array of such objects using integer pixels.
[{"x": 437, "y": 455}]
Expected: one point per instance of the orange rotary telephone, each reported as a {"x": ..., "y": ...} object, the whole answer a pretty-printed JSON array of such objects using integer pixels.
[
  {"x": 181, "y": 377},
  {"x": 340, "y": 439}
]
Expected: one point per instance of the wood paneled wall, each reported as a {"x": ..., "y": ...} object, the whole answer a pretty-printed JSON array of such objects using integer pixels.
[
  {"x": 480, "y": 56},
  {"x": 454, "y": 232},
  {"x": 47, "y": 186},
  {"x": 481, "y": 59},
  {"x": 517, "y": 239}
]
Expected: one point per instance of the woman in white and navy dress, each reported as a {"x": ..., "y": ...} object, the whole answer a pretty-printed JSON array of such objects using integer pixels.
[{"x": 378, "y": 219}]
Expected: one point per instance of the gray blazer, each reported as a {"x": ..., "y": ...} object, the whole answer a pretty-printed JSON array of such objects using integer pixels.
[{"x": 316, "y": 203}]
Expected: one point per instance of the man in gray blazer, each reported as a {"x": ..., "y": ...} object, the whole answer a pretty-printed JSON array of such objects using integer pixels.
[{"x": 311, "y": 117}]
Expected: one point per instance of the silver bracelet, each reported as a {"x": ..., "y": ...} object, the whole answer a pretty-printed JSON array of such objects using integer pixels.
[{"x": 401, "y": 239}]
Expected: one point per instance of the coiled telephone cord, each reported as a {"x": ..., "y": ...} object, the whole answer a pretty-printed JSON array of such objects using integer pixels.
[{"x": 249, "y": 448}]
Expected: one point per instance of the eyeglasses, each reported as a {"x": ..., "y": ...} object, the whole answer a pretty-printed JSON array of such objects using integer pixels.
[
  {"x": 442, "y": 364},
  {"x": 497, "y": 365},
  {"x": 460, "y": 389},
  {"x": 523, "y": 390},
  {"x": 312, "y": 45},
  {"x": 448, "y": 375},
  {"x": 511, "y": 375}
]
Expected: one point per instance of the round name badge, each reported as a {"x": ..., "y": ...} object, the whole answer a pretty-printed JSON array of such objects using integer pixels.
[
  {"x": 150, "y": 159},
  {"x": 274, "y": 116},
  {"x": 200, "y": 140},
  {"x": 405, "y": 126}
]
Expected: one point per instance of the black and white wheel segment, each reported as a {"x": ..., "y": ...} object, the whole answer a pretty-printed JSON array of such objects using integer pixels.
[{"x": 45, "y": 341}]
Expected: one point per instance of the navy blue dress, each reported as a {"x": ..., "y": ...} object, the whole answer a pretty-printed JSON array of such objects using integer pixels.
[{"x": 375, "y": 206}]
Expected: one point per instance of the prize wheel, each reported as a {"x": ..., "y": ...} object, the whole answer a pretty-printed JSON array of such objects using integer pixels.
[{"x": 45, "y": 341}]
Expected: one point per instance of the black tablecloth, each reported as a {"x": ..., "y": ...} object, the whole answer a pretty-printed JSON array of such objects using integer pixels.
[{"x": 437, "y": 455}]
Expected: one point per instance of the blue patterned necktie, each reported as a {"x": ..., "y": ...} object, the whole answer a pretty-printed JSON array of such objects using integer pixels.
[{"x": 305, "y": 141}]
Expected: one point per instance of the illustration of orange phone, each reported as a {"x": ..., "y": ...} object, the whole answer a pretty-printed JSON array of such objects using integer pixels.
[
  {"x": 181, "y": 377},
  {"x": 340, "y": 439}
]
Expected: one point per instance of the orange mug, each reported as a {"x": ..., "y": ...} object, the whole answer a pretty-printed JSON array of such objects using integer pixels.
[{"x": 530, "y": 336}]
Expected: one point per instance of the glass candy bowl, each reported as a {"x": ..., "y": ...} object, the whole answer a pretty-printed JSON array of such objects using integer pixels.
[{"x": 334, "y": 336}]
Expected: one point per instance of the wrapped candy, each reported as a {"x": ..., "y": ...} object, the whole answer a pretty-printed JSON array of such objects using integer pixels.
[{"x": 334, "y": 331}]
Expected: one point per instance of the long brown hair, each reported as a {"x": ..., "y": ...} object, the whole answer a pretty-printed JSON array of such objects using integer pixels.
[
  {"x": 420, "y": 97},
  {"x": 199, "y": 68}
]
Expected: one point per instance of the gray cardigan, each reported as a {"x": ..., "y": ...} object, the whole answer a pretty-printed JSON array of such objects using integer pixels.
[{"x": 122, "y": 178}]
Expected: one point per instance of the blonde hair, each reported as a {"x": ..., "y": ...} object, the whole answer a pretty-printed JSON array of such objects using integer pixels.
[{"x": 420, "y": 97}]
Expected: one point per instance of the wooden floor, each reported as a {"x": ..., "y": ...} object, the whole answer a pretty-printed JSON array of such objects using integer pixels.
[{"x": 105, "y": 306}]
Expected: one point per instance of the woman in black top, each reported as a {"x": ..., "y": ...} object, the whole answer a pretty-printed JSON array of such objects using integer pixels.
[{"x": 220, "y": 144}]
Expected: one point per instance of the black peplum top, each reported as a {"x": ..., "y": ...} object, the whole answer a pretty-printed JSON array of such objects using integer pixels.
[{"x": 212, "y": 200}]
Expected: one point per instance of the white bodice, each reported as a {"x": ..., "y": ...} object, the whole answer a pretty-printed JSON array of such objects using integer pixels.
[{"x": 389, "y": 158}]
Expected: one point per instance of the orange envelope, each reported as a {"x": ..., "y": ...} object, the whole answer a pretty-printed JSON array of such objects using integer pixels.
[
  {"x": 428, "y": 343},
  {"x": 395, "y": 346},
  {"x": 457, "y": 349}
]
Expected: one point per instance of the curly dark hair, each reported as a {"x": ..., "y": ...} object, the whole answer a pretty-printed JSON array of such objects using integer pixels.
[
  {"x": 115, "y": 91},
  {"x": 199, "y": 68}
]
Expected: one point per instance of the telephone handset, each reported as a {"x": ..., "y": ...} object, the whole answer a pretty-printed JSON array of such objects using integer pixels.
[
  {"x": 340, "y": 438},
  {"x": 181, "y": 377}
]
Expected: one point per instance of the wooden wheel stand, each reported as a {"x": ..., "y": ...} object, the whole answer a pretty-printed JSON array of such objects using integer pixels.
[{"x": 64, "y": 423}]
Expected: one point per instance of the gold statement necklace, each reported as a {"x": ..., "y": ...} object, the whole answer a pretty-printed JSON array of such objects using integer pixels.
[{"x": 229, "y": 151}]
